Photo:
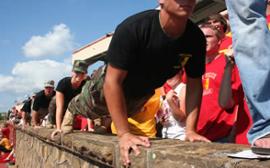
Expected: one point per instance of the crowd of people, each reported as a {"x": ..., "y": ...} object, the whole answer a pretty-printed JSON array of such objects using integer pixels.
[
  {"x": 7, "y": 140},
  {"x": 164, "y": 76}
]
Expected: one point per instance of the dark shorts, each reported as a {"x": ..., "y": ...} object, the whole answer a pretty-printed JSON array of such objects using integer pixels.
[
  {"x": 3, "y": 149},
  {"x": 27, "y": 117},
  {"x": 91, "y": 102},
  {"x": 42, "y": 112}
]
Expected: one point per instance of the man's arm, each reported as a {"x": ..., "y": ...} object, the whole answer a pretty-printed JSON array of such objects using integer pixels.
[
  {"x": 34, "y": 114},
  {"x": 26, "y": 107},
  {"x": 90, "y": 125},
  {"x": 115, "y": 100},
  {"x": 23, "y": 118},
  {"x": 225, "y": 98},
  {"x": 35, "y": 118},
  {"x": 193, "y": 104},
  {"x": 174, "y": 103},
  {"x": 59, "y": 109},
  {"x": 116, "y": 103}
]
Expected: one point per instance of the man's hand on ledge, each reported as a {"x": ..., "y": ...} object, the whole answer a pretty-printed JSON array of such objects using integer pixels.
[
  {"x": 127, "y": 142},
  {"x": 194, "y": 137},
  {"x": 55, "y": 132},
  {"x": 37, "y": 126},
  {"x": 24, "y": 126}
]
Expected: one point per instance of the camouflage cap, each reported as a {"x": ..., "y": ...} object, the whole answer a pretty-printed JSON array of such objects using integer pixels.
[
  {"x": 80, "y": 66},
  {"x": 49, "y": 83}
]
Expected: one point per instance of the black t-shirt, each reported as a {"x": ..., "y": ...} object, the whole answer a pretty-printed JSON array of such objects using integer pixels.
[
  {"x": 140, "y": 46},
  {"x": 27, "y": 106},
  {"x": 42, "y": 101},
  {"x": 64, "y": 86}
]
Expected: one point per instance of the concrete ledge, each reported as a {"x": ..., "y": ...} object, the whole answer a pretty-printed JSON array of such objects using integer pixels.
[{"x": 35, "y": 149}]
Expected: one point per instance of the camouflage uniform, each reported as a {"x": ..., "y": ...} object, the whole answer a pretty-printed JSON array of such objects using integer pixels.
[{"x": 91, "y": 101}]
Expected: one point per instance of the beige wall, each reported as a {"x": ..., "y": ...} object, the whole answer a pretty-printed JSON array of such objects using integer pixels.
[{"x": 93, "y": 50}]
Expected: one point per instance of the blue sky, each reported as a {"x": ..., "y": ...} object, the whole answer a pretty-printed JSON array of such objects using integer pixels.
[{"x": 37, "y": 38}]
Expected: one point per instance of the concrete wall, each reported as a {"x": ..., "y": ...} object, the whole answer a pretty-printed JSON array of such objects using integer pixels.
[{"x": 34, "y": 149}]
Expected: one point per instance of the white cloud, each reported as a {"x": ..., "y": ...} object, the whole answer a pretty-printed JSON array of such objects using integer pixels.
[
  {"x": 31, "y": 75},
  {"x": 54, "y": 43},
  {"x": 68, "y": 60}
]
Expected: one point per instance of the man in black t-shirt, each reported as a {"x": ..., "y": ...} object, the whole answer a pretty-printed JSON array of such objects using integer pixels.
[
  {"x": 41, "y": 103},
  {"x": 27, "y": 109},
  {"x": 66, "y": 89},
  {"x": 146, "y": 49}
]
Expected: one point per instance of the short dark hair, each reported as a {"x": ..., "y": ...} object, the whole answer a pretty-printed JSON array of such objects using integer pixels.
[
  {"x": 220, "y": 18},
  {"x": 218, "y": 33}
]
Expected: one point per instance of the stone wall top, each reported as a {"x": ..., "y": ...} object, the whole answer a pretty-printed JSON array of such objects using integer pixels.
[{"x": 103, "y": 150}]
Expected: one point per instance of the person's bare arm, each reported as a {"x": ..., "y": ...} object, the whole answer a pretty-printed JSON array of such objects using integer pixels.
[
  {"x": 174, "y": 103},
  {"x": 59, "y": 101},
  {"x": 225, "y": 98},
  {"x": 59, "y": 109},
  {"x": 115, "y": 100},
  {"x": 182, "y": 100},
  {"x": 90, "y": 124},
  {"x": 35, "y": 118},
  {"x": 116, "y": 103},
  {"x": 193, "y": 103},
  {"x": 24, "y": 119}
]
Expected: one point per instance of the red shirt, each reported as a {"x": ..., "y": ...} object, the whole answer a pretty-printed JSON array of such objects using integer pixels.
[
  {"x": 214, "y": 122},
  {"x": 80, "y": 122},
  {"x": 167, "y": 88},
  {"x": 244, "y": 120},
  {"x": 225, "y": 43},
  {"x": 5, "y": 132}
]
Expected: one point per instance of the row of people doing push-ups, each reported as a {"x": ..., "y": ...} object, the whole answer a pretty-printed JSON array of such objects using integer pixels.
[
  {"x": 220, "y": 120},
  {"x": 175, "y": 74}
]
